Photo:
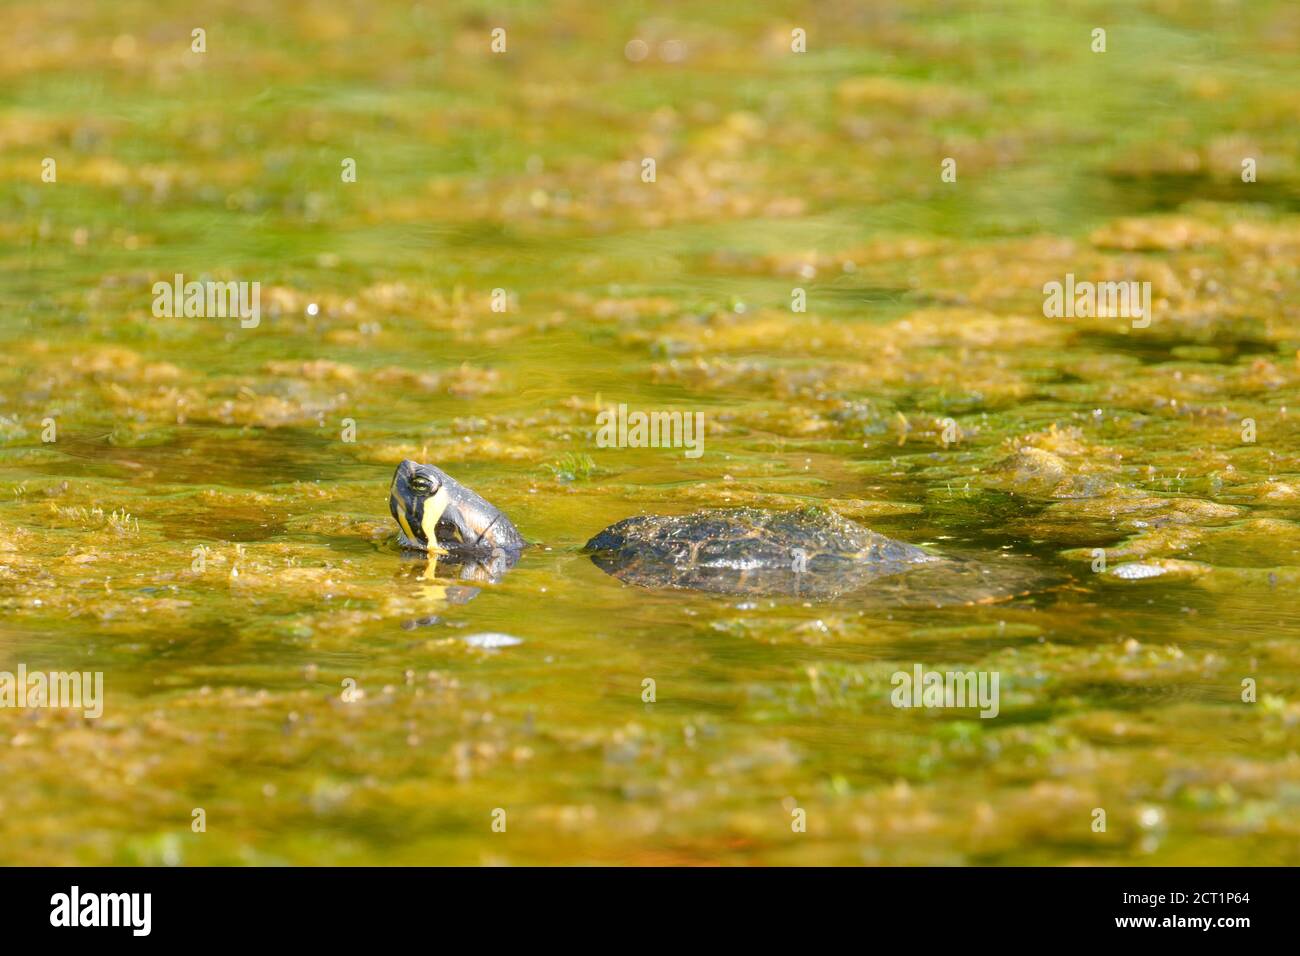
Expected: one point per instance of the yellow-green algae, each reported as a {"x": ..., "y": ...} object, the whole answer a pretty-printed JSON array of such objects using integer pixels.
[{"x": 225, "y": 676}]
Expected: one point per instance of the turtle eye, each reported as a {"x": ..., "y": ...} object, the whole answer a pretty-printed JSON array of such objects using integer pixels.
[{"x": 421, "y": 485}]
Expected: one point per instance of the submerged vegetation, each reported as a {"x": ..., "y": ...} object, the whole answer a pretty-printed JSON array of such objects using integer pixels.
[
  {"x": 197, "y": 508},
  {"x": 573, "y": 467}
]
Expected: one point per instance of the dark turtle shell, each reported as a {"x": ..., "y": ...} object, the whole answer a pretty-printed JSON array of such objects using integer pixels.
[{"x": 811, "y": 553}]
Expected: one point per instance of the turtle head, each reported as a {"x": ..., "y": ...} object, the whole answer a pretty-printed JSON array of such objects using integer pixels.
[{"x": 437, "y": 513}]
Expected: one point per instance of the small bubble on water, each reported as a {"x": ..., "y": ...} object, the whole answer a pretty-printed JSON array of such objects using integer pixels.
[{"x": 490, "y": 640}]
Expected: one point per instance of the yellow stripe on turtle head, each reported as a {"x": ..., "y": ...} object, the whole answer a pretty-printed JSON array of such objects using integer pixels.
[
  {"x": 433, "y": 509},
  {"x": 399, "y": 509}
]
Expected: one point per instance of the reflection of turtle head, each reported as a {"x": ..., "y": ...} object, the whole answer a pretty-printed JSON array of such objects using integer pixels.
[{"x": 437, "y": 513}]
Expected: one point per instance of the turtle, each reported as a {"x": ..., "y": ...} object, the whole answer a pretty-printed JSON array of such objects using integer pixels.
[
  {"x": 437, "y": 515},
  {"x": 810, "y": 553}
]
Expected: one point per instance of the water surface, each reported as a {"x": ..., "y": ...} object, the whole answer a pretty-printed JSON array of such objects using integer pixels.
[{"x": 225, "y": 677}]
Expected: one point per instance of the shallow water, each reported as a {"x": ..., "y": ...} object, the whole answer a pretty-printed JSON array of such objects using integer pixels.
[{"x": 324, "y": 699}]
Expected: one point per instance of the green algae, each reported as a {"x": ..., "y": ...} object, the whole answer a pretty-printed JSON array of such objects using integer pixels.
[{"x": 204, "y": 533}]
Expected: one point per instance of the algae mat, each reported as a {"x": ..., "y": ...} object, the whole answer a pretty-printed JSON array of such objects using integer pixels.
[{"x": 835, "y": 263}]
